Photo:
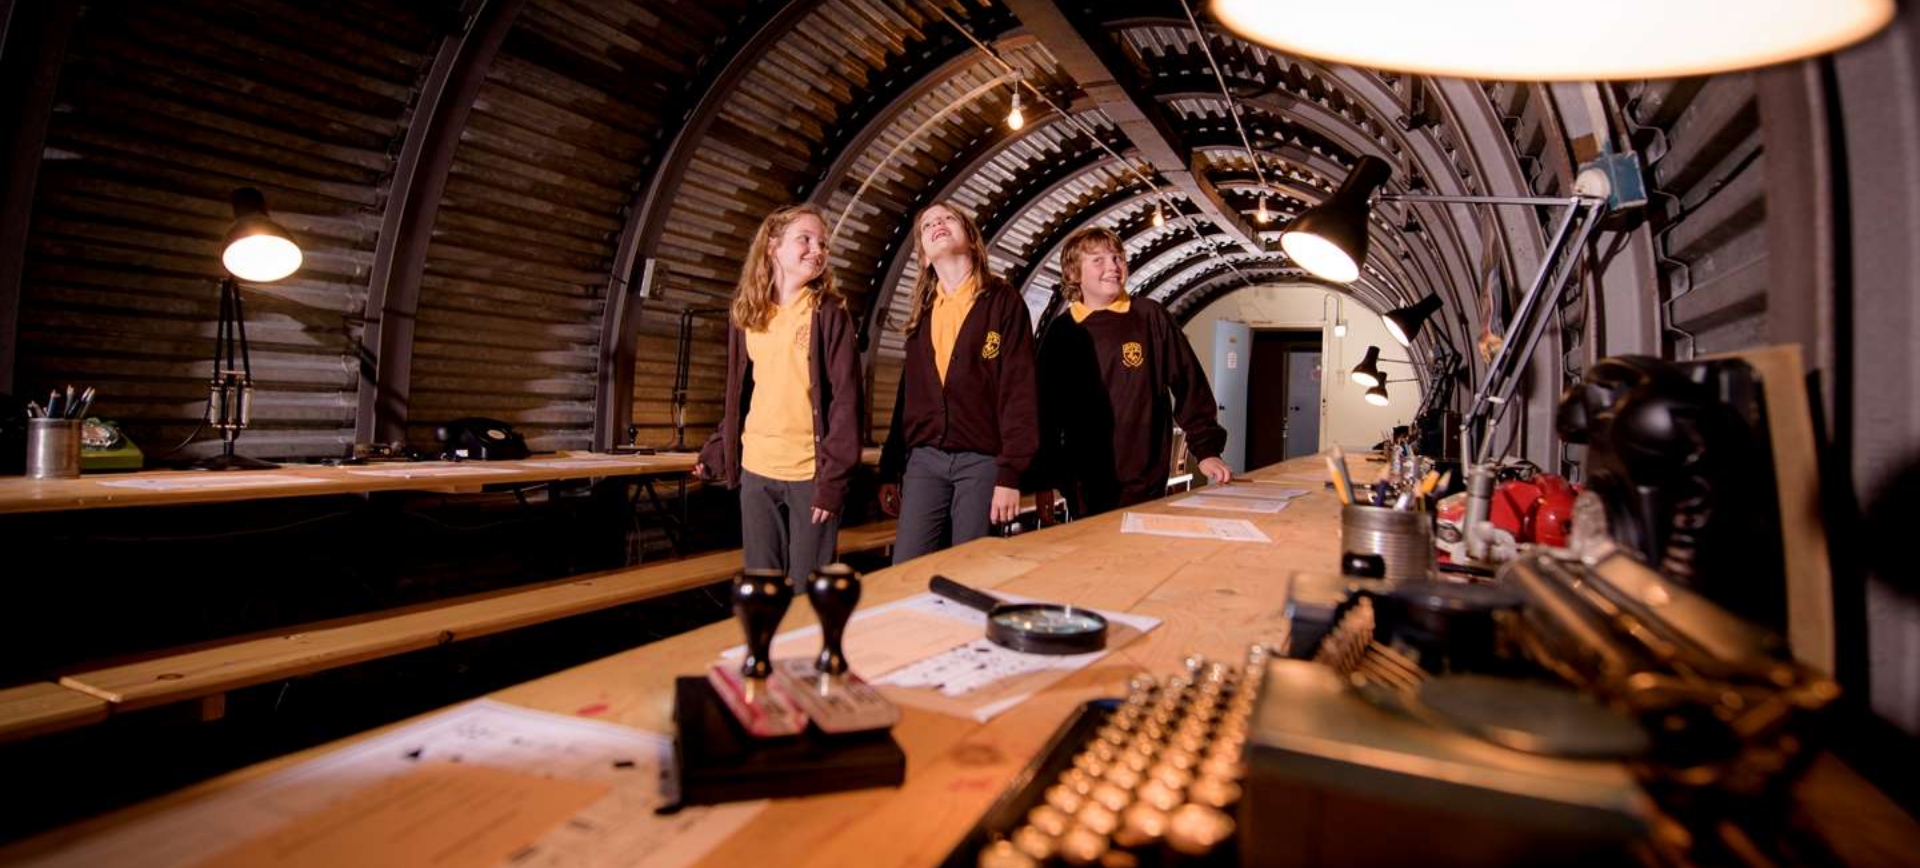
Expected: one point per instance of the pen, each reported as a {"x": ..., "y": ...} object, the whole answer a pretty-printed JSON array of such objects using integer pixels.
[
  {"x": 86, "y": 403},
  {"x": 69, "y": 404}
]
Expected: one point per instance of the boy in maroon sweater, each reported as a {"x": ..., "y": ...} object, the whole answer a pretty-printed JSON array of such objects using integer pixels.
[{"x": 1115, "y": 373}]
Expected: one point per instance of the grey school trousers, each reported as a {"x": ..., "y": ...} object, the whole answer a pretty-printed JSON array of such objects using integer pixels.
[
  {"x": 777, "y": 529},
  {"x": 943, "y": 491}
]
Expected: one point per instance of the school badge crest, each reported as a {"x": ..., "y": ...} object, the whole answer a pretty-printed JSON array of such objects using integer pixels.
[
  {"x": 1132, "y": 355},
  {"x": 991, "y": 348}
]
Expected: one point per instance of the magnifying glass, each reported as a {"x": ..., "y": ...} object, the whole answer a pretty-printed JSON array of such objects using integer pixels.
[{"x": 1035, "y": 628}]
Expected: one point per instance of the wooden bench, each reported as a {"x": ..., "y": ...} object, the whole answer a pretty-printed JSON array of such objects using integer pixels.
[
  {"x": 216, "y": 668},
  {"x": 32, "y": 709}
]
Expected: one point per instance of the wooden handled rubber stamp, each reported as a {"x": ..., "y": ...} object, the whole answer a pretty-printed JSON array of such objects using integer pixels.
[
  {"x": 834, "y": 591},
  {"x": 760, "y": 601},
  {"x": 836, "y": 700}
]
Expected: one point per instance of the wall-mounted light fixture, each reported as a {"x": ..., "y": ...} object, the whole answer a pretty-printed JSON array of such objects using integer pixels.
[
  {"x": 1404, "y": 323},
  {"x": 1367, "y": 373},
  {"x": 1330, "y": 239},
  {"x": 1526, "y": 40}
]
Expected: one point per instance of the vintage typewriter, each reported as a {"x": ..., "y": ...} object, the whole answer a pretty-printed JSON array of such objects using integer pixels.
[{"x": 1625, "y": 701}]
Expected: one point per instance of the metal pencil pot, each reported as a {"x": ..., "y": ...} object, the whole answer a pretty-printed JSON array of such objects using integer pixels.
[
  {"x": 53, "y": 448},
  {"x": 1403, "y": 538}
]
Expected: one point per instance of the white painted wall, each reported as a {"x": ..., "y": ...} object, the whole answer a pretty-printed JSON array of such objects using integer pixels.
[{"x": 1345, "y": 416}]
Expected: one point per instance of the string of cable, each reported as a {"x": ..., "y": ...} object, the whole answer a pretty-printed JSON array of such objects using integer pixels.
[
  {"x": 1233, "y": 106},
  {"x": 1160, "y": 203}
]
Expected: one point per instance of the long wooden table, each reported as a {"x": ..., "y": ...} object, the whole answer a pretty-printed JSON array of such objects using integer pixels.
[
  {"x": 19, "y": 494},
  {"x": 95, "y": 491},
  {"x": 1213, "y": 598}
]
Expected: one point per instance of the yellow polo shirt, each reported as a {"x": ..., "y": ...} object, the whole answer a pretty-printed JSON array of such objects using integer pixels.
[
  {"x": 949, "y": 313},
  {"x": 1119, "y": 305},
  {"x": 777, "y": 440}
]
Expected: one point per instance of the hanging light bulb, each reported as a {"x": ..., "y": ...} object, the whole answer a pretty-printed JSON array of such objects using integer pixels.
[
  {"x": 1015, "y": 119},
  {"x": 1340, "y": 329},
  {"x": 1159, "y": 216},
  {"x": 1263, "y": 215}
]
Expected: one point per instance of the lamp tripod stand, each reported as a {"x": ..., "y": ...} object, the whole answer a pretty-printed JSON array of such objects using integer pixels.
[
  {"x": 682, "y": 370},
  {"x": 230, "y": 392}
]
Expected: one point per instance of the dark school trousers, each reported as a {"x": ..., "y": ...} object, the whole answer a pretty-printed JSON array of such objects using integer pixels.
[
  {"x": 777, "y": 529},
  {"x": 943, "y": 495}
]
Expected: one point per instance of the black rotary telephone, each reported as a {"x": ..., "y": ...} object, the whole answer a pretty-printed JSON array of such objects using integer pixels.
[{"x": 478, "y": 438}]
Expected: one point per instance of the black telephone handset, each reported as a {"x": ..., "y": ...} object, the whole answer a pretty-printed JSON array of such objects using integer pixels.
[{"x": 478, "y": 438}]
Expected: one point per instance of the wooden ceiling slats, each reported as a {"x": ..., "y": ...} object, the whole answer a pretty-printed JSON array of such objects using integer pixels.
[
  {"x": 472, "y": 190},
  {"x": 181, "y": 85},
  {"x": 232, "y": 59},
  {"x": 172, "y": 108}
]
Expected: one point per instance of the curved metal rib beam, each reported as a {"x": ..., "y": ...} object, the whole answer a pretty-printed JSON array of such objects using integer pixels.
[
  {"x": 646, "y": 217},
  {"x": 954, "y": 176},
  {"x": 1093, "y": 61},
  {"x": 413, "y": 205},
  {"x": 1117, "y": 201},
  {"x": 1419, "y": 147},
  {"x": 33, "y": 45},
  {"x": 1214, "y": 287},
  {"x": 945, "y": 56}
]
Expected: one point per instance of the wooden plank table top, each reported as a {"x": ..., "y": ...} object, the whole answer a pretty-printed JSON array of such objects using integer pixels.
[
  {"x": 22, "y": 495},
  {"x": 1213, "y": 598}
]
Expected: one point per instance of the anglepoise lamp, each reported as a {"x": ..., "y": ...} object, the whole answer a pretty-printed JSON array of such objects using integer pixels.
[
  {"x": 1336, "y": 251},
  {"x": 1526, "y": 40},
  {"x": 257, "y": 250},
  {"x": 1367, "y": 373},
  {"x": 1404, "y": 323},
  {"x": 1330, "y": 239}
]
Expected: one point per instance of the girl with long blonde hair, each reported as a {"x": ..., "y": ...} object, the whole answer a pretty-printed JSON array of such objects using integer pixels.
[{"x": 789, "y": 438}]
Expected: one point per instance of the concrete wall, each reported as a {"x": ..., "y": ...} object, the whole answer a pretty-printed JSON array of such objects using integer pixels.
[{"x": 1345, "y": 416}]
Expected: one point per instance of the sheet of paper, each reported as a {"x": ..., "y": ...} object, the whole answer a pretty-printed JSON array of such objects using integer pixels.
[
  {"x": 1256, "y": 491},
  {"x": 419, "y": 471},
  {"x": 1225, "y": 529},
  {"x": 199, "y": 482},
  {"x": 618, "y": 828},
  {"x": 933, "y": 652},
  {"x": 441, "y": 814},
  {"x": 1230, "y": 504}
]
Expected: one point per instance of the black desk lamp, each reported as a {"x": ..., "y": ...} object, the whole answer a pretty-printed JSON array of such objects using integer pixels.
[
  {"x": 1330, "y": 241},
  {"x": 257, "y": 250}
]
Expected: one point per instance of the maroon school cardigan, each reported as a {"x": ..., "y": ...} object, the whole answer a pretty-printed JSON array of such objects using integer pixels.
[
  {"x": 834, "y": 371},
  {"x": 988, "y": 404}
]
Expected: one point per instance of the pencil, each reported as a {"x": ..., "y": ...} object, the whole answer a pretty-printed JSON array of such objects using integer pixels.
[{"x": 1340, "y": 485}]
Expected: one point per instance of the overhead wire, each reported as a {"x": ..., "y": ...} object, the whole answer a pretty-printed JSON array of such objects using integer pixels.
[{"x": 1162, "y": 198}]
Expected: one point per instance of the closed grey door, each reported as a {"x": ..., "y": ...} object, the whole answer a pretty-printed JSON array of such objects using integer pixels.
[
  {"x": 1303, "y": 402},
  {"x": 1232, "y": 353}
]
